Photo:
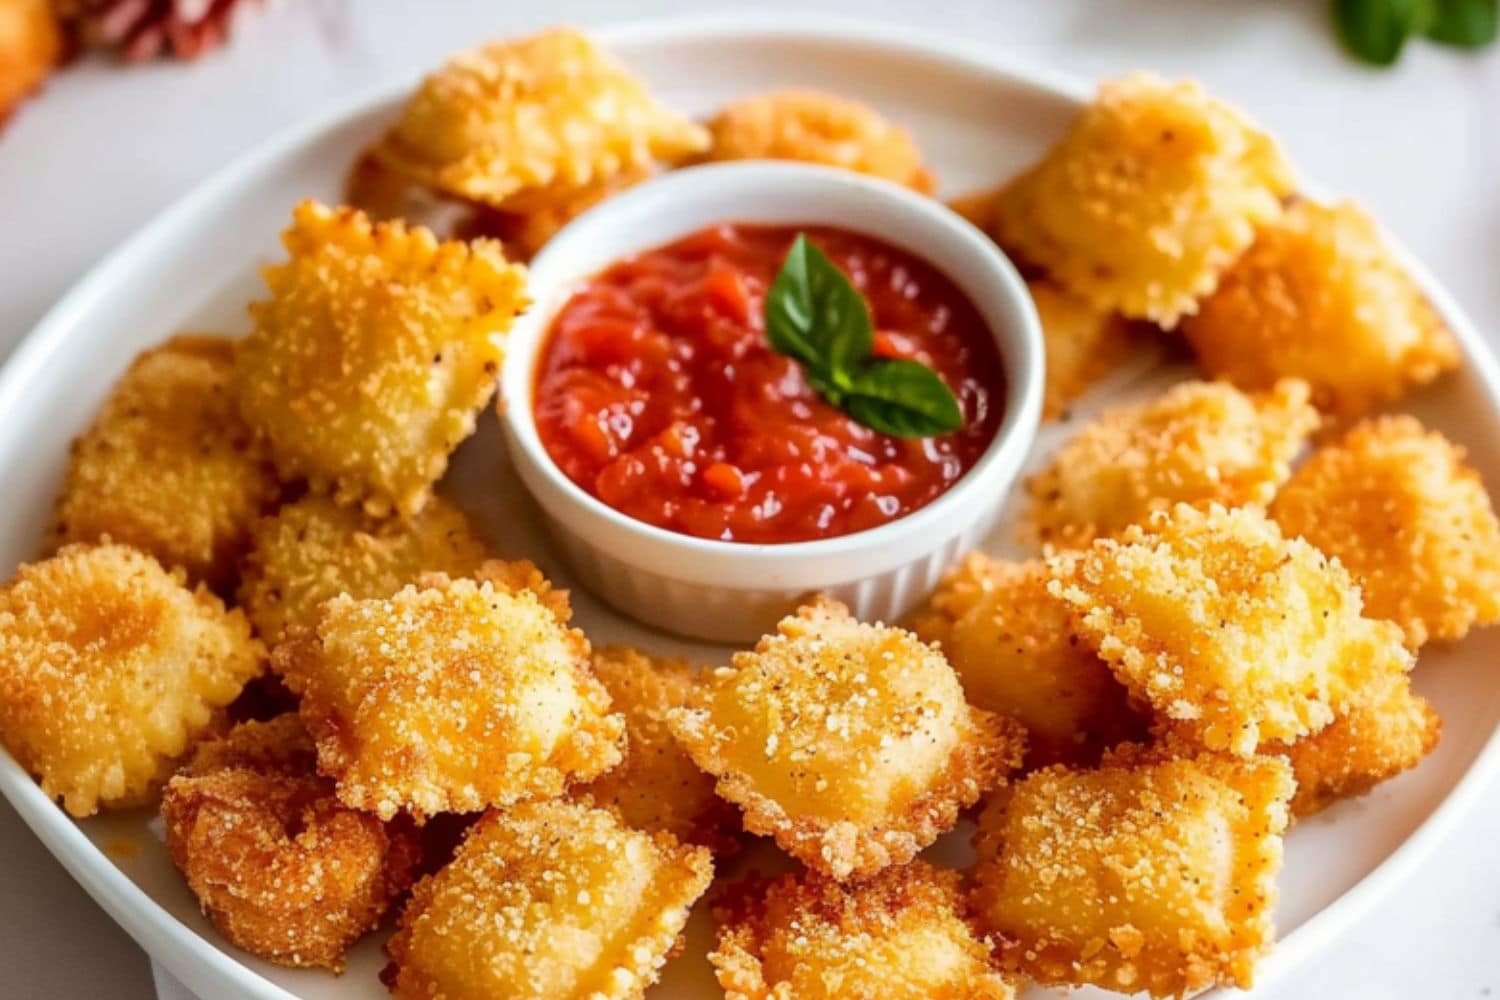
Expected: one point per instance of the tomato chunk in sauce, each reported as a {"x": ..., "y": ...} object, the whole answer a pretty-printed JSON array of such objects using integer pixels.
[{"x": 658, "y": 392}]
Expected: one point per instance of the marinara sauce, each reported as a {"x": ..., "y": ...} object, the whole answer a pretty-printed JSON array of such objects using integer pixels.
[{"x": 658, "y": 392}]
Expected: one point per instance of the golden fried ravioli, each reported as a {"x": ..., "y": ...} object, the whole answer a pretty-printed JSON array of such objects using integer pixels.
[
  {"x": 1198, "y": 442},
  {"x": 1409, "y": 518},
  {"x": 449, "y": 696},
  {"x": 1152, "y": 193},
  {"x": 1230, "y": 631},
  {"x": 1388, "y": 730},
  {"x": 109, "y": 669},
  {"x": 658, "y": 787},
  {"x": 1151, "y": 874},
  {"x": 1083, "y": 344},
  {"x": 373, "y": 355},
  {"x": 1016, "y": 654},
  {"x": 280, "y": 867},
  {"x": 547, "y": 901},
  {"x": 315, "y": 549},
  {"x": 901, "y": 935},
  {"x": 815, "y": 127},
  {"x": 1319, "y": 296},
  {"x": 168, "y": 466},
  {"x": 31, "y": 43},
  {"x": 532, "y": 117},
  {"x": 850, "y": 744}
]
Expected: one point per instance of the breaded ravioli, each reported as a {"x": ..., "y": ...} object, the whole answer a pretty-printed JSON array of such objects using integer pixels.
[
  {"x": 1319, "y": 296},
  {"x": 372, "y": 357},
  {"x": 532, "y": 117},
  {"x": 658, "y": 787},
  {"x": 850, "y": 744},
  {"x": 169, "y": 467},
  {"x": 816, "y": 127},
  {"x": 1016, "y": 654},
  {"x": 1409, "y": 518},
  {"x": 280, "y": 867},
  {"x": 1198, "y": 442},
  {"x": 31, "y": 43},
  {"x": 1153, "y": 192},
  {"x": 449, "y": 696},
  {"x": 1387, "y": 730},
  {"x": 1083, "y": 344},
  {"x": 1231, "y": 631},
  {"x": 547, "y": 901},
  {"x": 900, "y": 935},
  {"x": 109, "y": 669},
  {"x": 1151, "y": 874},
  {"x": 315, "y": 549}
]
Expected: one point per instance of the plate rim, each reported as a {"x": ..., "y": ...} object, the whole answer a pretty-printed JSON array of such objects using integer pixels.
[{"x": 191, "y": 957}]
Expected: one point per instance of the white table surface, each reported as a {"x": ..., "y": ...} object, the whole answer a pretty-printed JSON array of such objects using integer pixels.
[{"x": 104, "y": 149}]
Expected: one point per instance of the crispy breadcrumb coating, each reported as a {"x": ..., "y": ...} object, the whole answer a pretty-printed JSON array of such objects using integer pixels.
[
  {"x": 314, "y": 549},
  {"x": 1016, "y": 654},
  {"x": 280, "y": 867},
  {"x": 1083, "y": 344},
  {"x": 1223, "y": 626},
  {"x": 850, "y": 744},
  {"x": 548, "y": 113},
  {"x": 30, "y": 45},
  {"x": 1154, "y": 191},
  {"x": 1409, "y": 518},
  {"x": 109, "y": 669},
  {"x": 658, "y": 787},
  {"x": 1387, "y": 731},
  {"x": 1152, "y": 874},
  {"x": 169, "y": 467},
  {"x": 1320, "y": 296},
  {"x": 449, "y": 697},
  {"x": 816, "y": 127},
  {"x": 901, "y": 935},
  {"x": 526, "y": 231},
  {"x": 374, "y": 354},
  {"x": 1198, "y": 442},
  {"x": 545, "y": 901}
]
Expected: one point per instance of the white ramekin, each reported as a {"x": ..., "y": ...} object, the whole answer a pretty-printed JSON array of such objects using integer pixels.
[{"x": 732, "y": 591}]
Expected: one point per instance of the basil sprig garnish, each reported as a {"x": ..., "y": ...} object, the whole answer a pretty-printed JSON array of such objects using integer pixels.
[
  {"x": 815, "y": 315},
  {"x": 1377, "y": 30}
]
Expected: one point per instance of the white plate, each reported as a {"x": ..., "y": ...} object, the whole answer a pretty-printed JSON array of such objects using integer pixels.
[{"x": 195, "y": 267}]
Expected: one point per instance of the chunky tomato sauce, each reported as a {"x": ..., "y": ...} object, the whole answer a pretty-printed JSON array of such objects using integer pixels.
[{"x": 658, "y": 392}]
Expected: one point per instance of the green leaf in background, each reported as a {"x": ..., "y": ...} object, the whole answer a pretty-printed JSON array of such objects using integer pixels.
[
  {"x": 815, "y": 314},
  {"x": 1469, "y": 24},
  {"x": 1377, "y": 30},
  {"x": 903, "y": 399}
]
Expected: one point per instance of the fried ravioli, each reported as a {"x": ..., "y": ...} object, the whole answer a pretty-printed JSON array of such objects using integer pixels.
[
  {"x": 169, "y": 467},
  {"x": 374, "y": 354},
  {"x": 850, "y": 744},
  {"x": 1320, "y": 297},
  {"x": 1151, "y": 874},
  {"x": 901, "y": 935},
  {"x": 1198, "y": 442},
  {"x": 1083, "y": 344},
  {"x": 1409, "y": 518},
  {"x": 1153, "y": 192},
  {"x": 449, "y": 696},
  {"x": 531, "y": 118},
  {"x": 1224, "y": 627},
  {"x": 280, "y": 867},
  {"x": 547, "y": 901},
  {"x": 109, "y": 669},
  {"x": 815, "y": 127},
  {"x": 1016, "y": 654}
]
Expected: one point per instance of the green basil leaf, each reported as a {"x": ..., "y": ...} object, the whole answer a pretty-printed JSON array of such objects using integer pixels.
[
  {"x": 1469, "y": 24},
  {"x": 1377, "y": 30},
  {"x": 903, "y": 399},
  {"x": 816, "y": 315}
]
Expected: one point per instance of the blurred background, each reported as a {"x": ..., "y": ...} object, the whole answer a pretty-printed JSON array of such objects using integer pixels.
[{"x": 106, "y": 143}]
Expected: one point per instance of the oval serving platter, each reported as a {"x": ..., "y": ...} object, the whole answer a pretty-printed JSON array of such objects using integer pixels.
[{"x": 978, "y": 119}]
